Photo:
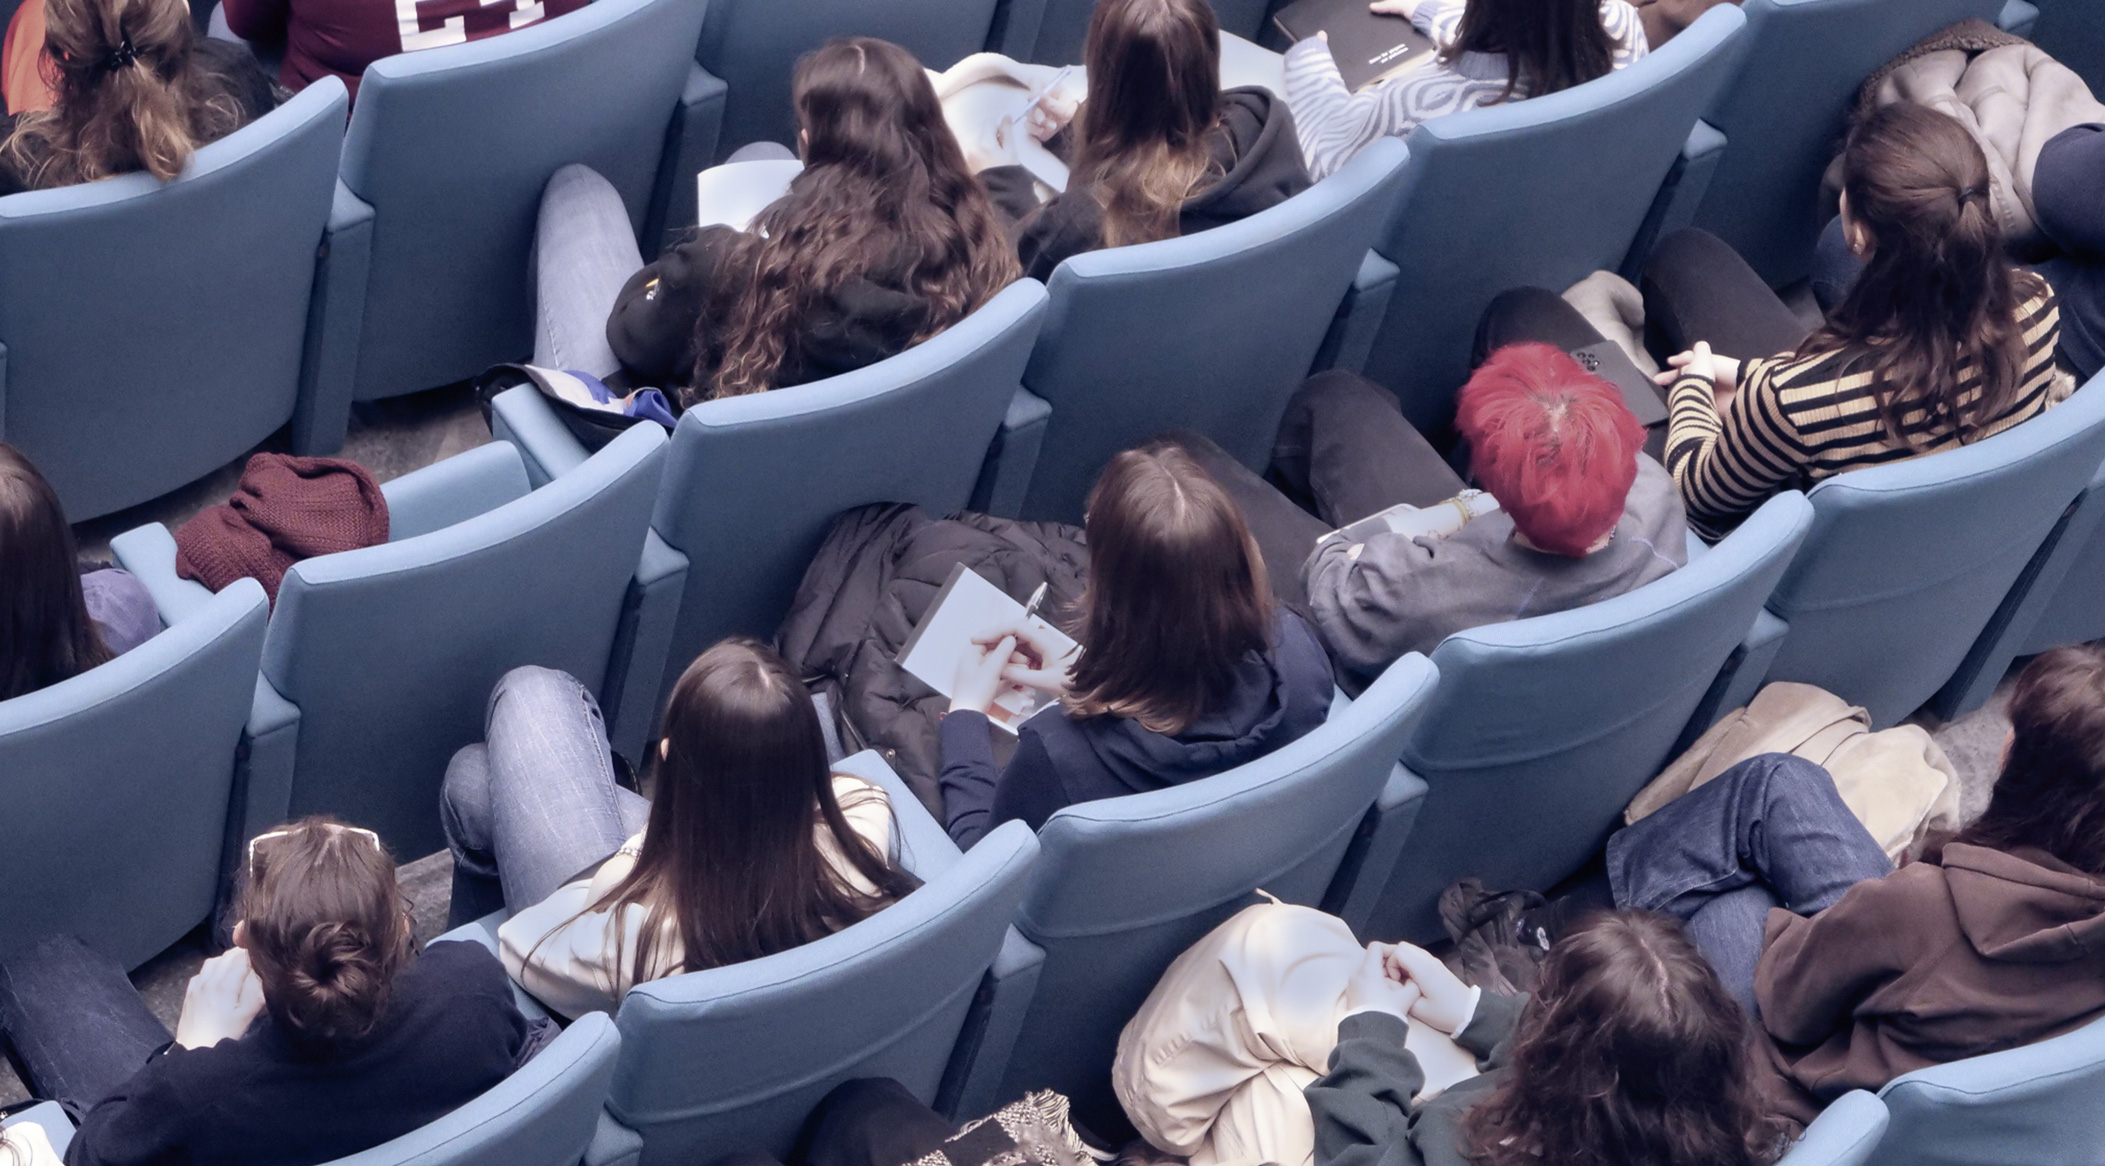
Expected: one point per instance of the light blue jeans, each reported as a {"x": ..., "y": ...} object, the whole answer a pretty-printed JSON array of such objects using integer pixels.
[
  {"x": 536, "y": 805},
  {"x": 1769, "y": 832}
]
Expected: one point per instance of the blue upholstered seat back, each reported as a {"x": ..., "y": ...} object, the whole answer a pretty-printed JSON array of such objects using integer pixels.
[
  {"x": 2037, "y": 1104},
  {"x": 452, "y": 147},
  {"x": 152, "y": 333}
]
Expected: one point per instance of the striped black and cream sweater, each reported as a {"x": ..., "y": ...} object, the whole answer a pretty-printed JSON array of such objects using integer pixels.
[{"x": 1799, "y": 419}]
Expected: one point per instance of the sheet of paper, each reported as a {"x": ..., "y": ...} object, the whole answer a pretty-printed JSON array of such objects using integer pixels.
[
  {"x": 967, "y": 606},
  {"x": 735, "y": 193},
  {"x": 1444, "y": 1061},
  {"x": 1244, "y": 64}
]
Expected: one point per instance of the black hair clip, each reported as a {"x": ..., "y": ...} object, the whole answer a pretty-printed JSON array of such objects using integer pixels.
[{"x": 120, "y": 57}]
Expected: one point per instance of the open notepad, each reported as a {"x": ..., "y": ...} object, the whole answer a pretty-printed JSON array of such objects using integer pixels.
[
  {"x": 1436, "y": 521},
  {"x": 968, "y": 606}
]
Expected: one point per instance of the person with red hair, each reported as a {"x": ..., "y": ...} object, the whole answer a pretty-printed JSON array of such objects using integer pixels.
[{"x": 1582, "y": 512}]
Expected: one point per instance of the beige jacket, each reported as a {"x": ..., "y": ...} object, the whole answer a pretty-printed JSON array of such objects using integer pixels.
[
  {"x": 1213, "y": 1065},
  {"x": 581, "y": 960},
  {"x": 1897, "y": 782}
]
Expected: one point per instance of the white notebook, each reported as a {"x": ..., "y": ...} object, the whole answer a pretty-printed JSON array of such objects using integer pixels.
[
  {"x": 734, "y": 194},
  {"x": 967, "y": 606}
]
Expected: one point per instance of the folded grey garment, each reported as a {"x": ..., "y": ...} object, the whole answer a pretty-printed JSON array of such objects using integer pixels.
[{"x": 1616, "y": 309}]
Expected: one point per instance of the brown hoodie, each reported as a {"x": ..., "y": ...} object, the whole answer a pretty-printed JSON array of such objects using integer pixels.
[{"x": 1933, "y": 963}]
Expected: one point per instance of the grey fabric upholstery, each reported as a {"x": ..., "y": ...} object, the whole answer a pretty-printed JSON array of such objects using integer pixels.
[
  {"x": 150, "y": 334},
  {"x": 1543, "y": 729},
  {"x": 753, "y": 483},
  {"x": 1540, "y": 192},
  {"x": 2037, "y": 1105},
  {"x": 117, "y": 784},
  {"x": 380, "y": 661},
  {"x": 1210, "y": 332},
  {"x": 1783, "y": 115},
  {"x": 1845, "y": 1134},
  {"x": 542, "y": 1115},
  {"x": 449, "y": 149},
  {"x": 1124, "y": 885},
  {"x": 1907, "y": 564}
]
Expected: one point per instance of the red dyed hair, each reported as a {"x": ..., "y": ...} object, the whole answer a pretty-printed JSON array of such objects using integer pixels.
[{"x": 1552, "y": 442}]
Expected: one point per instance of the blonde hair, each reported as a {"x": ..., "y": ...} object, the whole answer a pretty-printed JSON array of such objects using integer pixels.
[{"x": 128, "y": 96}]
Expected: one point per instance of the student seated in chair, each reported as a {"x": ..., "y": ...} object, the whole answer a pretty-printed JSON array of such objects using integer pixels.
[
  {"x": 1491, "y": 52},
  {"x": 749, "y": 844},
  {"x": 55, "y": 621},
  {"x": 883, "y": 241},
  {"x": 342, "y": 37},
  {"x": 1859, "y": 972},
  {"x": 1158, "y": 150},
  {"x": 136, "y": 89},
  {"x": 321, "y": 1033},
  {"x": 1187, "y": 666},
  {"x": 1576, "y": 513}
]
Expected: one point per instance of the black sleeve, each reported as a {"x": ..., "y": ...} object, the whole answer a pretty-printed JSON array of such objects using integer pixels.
[
  {"x": 977, "y": 798},
  {"x": 1491, "y": 1027},
  {"x": 652, "y": 329},
  {"x": 142, "y": 1122},
  {"x": 1013, "y": 191},
  {"x": 1362, "y": 1107},
  {"x": 2068, "y": 189}
]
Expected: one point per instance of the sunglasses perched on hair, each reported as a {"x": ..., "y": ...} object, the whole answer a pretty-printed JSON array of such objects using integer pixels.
[{"x": 331, "y": 827}]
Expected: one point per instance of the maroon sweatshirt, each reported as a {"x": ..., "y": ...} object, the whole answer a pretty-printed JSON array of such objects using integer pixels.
[{"x": 344, "y": 36}]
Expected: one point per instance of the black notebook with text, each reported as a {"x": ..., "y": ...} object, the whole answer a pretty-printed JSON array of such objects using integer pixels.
[{"x": 1366, "y": 45}]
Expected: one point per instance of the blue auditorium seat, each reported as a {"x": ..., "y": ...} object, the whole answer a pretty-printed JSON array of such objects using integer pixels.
[
  {"x": 379, "y": 662},
  {"x": 1845, "y": 1134},
  {"x": 2038, "y": 1104},
  {"x": 151, "y": 333}
]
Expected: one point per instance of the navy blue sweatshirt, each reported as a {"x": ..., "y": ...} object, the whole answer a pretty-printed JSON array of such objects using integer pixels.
[
  {"x": 1278, "y": 697},
  {"x": 2068, "y": 196}
]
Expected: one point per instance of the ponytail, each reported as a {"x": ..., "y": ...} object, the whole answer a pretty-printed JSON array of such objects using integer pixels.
[{"x": 1938, "y": 294}]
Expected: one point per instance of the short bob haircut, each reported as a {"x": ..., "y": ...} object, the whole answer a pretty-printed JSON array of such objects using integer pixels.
[{"x": 1553, "y": 443}]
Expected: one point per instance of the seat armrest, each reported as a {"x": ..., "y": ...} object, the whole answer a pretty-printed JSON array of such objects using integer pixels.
[
  {"x": 523, "y": 417},
  {"x": 1370, "y": 858},
  {"x": 148, "y": 552},
  {"x": 690, "y": 147},
  {"x": 925, "y": 847},
  {"x": 1674, "y": 207},
  {"x": 985, "y": 1045},
  {"x": 642, "y": 644},
  {"x": 58, "y": 1128},
  {"x": 461, "y": 487},
  {"x": 335, "y": 317},
  {"x": 1350, "y": 340},
  {"x": 613, "y": 1144},
  {"x": 270, "y": 746},
  {"x": 1005, "y": 477}
]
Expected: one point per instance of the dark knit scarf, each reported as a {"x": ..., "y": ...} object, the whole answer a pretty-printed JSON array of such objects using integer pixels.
[{"x": 285, "y": 509}]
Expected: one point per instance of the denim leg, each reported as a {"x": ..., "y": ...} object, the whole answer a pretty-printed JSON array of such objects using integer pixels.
[
  {"x": 584, "y": 251},
  {"x": 1774, "y": 821},
  {"x": 540, "y": 801},
  {"x": 1727, "y": 929},
  {"x": 1835, "y": 266},
  {"x": 78, "y": 1029}
]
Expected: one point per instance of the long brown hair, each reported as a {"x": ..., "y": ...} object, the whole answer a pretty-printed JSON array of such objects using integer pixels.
[
  {"x": 731, "y": 862},
  {"x": 1549, "y": 45},
  {"x": 1177, "y": 595},
  {"x": 884, "y": 188},
  {"x": 45, "y": 633},
  {"x": 1937, "y": 295},
  {"x": 1154, "y": 96},
  {"x": 2051, "y": 792},
  {"x": 1631, "y": 1053},
  {"x": 326, "y": 930},
  {"x": 128, "y": 95}
]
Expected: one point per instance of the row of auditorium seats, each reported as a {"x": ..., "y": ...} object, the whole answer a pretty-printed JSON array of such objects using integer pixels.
[
  {"x": 301, "y": 265},
  {"x": 1016, "y": 964}
]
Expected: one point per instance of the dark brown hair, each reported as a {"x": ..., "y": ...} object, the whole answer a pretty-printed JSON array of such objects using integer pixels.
[
  {"x": 326, "y": 931},
  {"x": 1937, "y": 295},
  {"x": 1549, "y": 45},
  {"x": 127, "y": 95},
  {"x": 1177, "y": 595},
  {"x": 2051, "y": 793},
  {"x": 45, "y": 633},
  {"x": 1154, "y": 96},
  {"x": 884, "y": 189},
  {"x": 1630, "y": 1054},
  {"x": 731, "y": 860}
]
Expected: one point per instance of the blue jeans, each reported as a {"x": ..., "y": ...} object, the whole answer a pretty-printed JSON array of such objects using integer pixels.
[
  {"x": 536, "y": 805},
  {"x": 77, "y": 1027},
  {"x": 1769, "y": 832}
]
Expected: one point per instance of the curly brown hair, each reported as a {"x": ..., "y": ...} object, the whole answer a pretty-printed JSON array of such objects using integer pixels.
[{"x": 1632, "y": 1053}]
